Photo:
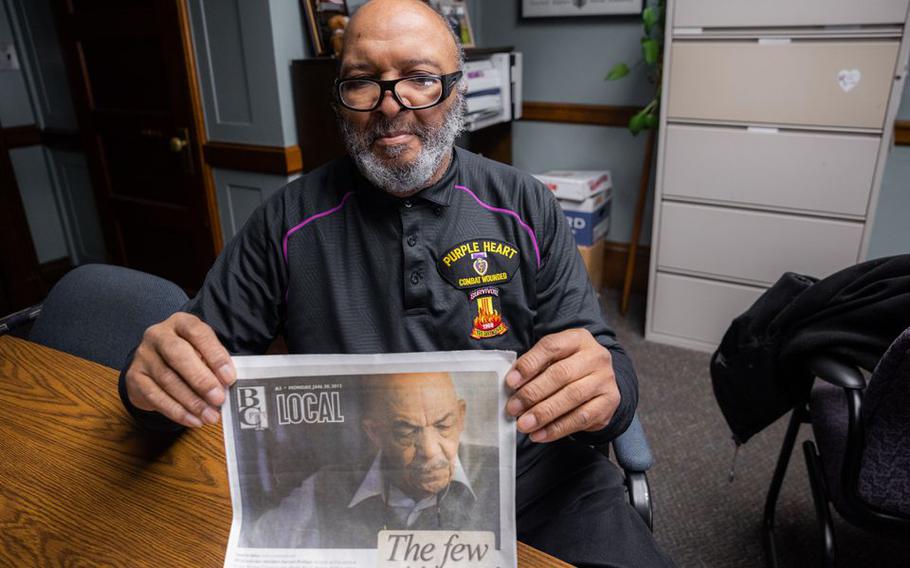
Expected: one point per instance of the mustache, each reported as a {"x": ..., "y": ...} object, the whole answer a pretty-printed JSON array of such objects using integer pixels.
[
  {"x": 386, "y": 127},
  {"x": 433, "y": 466}
]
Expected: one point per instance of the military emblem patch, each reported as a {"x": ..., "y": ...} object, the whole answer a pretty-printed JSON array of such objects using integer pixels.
[
  {"x": 488, "y": 322},
  {"x": 476, "y": 266},
  {"x": 480, "y": 263}
]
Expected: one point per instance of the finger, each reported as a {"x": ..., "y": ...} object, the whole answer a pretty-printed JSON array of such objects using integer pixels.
[
  {"x": 550, "y": 348},
  {"x": 160, "y": 401},
  {"x": 178, "y": 355},
  {"x": 135, "y": 375},
  {"x": 177, "y": 389},
  {"x": 572, "y": 396},
  {"x": 594, "y": 414},
  {"x": 134, "y": 384},
  {"x": 202, "y": 337},
  {"x": 553, "y": 378}
]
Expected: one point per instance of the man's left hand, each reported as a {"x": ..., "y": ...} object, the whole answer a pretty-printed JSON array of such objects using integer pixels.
[{"x": 564, "y": 384}]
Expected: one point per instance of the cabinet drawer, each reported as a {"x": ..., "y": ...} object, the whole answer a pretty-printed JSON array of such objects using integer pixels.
[
  {"x": 751, "y": 246},
  {"x": 771, "y": 13},
  {"x": 698, "y": 310},
  {"x": 808, "y": 83},
  {"x": 798, "y": 171}
]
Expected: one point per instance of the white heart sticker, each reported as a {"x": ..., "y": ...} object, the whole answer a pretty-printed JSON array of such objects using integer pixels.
[{"x": 848, "y": 78}]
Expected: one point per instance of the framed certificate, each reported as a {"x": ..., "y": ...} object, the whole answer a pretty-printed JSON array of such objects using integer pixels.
[{"x": 562, "y": 8}]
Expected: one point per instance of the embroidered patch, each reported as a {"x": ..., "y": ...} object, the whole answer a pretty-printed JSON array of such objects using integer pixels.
[
  {"x": 479, "y": 262},
  {"x": 488, "y": 322},
  {"x": 473, "y": 266}
]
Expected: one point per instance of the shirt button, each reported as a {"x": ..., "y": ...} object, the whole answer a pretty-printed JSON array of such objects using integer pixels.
[
  {"x": 412, "y": 240},
  {"x": 407, "y": 203},
  {"x": 437, "y": 211},
  {"x": 415, "y": 278}
]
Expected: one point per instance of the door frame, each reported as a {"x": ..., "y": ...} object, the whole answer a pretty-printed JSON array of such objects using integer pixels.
[{"x": 64, "y": 13}]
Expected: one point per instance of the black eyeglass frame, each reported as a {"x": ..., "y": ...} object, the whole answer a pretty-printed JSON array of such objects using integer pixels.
[{"x": 449, "y": 80}]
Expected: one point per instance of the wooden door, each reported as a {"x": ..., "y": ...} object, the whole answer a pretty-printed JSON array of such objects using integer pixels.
[{"x": 133, "y": 80}]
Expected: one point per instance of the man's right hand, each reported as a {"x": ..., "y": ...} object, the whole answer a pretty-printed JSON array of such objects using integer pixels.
[{"x": 180, "y": 370}]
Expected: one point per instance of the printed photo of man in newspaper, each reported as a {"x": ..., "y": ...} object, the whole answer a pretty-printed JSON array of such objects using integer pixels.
[{"x": 421, "y": 474}]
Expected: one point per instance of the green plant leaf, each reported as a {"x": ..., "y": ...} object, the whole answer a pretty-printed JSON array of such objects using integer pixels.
[
  {"x": 650, "y": 121},
  {"x": 637, "y": 123},
  {"x": 650, "y": 50},
  {"x": 618, "y": 71},
  {"x": 649, "y": 18}
]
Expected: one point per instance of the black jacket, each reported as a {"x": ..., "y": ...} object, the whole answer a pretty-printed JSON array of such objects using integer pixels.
[
  {"x": 758, "y": 372},
  {"x": 336, "y": 265}
]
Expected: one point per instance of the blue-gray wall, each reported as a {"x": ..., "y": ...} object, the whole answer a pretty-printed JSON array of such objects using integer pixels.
[
  {"x": 891, "y": 228},
  {"x": 243, "y": 52},
  {"x": 43, "y": 65},
  {"x": 565, "y": 61},
  {"x": 54, "y": 185},
  {"x": 15, "y": 106}
]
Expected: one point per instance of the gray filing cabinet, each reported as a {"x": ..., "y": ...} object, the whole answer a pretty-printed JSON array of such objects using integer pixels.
[{"x": 776, "y": 123}]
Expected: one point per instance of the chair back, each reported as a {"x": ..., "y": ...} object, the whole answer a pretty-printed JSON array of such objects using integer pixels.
[
  {"x": 99, "y": 312},
  {"x": 884, "y": 475}
]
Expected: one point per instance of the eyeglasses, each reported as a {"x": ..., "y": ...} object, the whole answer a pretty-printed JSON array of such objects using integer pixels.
[{"x": 413, "y": 93}]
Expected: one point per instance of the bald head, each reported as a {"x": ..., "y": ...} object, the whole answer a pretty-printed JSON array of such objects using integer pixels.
[
  {"x": 416, "y": 421},
  {"x": 399, "y": 148},
  {"x": 400, "y": 26},
  {"x": 389, "y": 394}
]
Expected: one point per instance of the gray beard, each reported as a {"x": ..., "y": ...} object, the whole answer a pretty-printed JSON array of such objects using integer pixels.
[{"x": 397, "y": 178}]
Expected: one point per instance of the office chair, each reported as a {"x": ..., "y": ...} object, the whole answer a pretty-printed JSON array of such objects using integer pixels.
[
  {"x": 99, "y": 312},
  {"x": 633, "y": 454},
  {"x": 861, "y": 455}
]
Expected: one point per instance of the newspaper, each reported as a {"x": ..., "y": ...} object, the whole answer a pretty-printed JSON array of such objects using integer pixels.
[{"x": 393, "y": 461}]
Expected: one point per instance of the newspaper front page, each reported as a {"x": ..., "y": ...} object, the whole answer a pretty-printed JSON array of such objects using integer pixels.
[{"x": 392, "y": 461}]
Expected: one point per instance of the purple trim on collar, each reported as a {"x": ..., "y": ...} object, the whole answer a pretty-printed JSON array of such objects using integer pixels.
[
  {"x": 524, "y": 225},
  {"x": 284, "y": 244}
]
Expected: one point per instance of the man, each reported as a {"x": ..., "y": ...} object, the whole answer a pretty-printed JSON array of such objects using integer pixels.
[
  {"x": 407, "y": 245},
  {"x": 421, "y": 477}
]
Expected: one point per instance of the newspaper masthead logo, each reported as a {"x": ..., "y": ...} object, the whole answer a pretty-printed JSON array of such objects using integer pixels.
[{"x": 251, "y": 408}]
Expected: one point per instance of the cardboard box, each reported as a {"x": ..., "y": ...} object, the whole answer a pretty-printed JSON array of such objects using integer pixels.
[
  {"x": 593, "y": 258},
  {"x": 577, "y": 185},
  {"x": 589, "y": 219}
]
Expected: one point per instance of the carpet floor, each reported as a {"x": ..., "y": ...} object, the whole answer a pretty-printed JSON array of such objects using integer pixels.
[{"x": 701, "y": 518}]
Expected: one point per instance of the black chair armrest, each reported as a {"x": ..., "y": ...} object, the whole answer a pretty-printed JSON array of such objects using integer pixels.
[
  {"x": 18, "y": 319},
  {"x": 633, "y": 454},
  {"x": 836, "y": 372},
  {"x": 850, "y": 378}
]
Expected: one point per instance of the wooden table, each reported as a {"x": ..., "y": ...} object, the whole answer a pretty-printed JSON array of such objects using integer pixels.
[{"x": 80, "y": 485}]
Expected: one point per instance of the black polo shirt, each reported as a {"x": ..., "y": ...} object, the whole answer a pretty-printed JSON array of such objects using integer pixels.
[{"x": 483, "y": 259}]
